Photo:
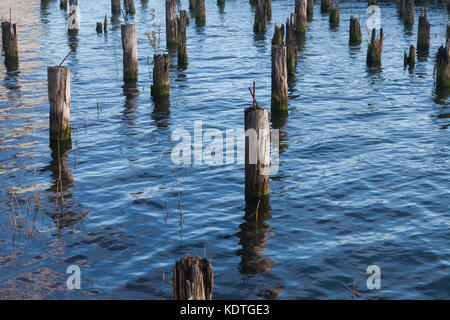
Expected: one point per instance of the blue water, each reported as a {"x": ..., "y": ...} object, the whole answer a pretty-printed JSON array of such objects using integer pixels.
[{"x": 363, "y": 177}]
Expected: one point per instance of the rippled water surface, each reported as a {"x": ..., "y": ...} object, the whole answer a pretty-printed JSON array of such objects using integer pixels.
[{"x": 363, "y": 175}]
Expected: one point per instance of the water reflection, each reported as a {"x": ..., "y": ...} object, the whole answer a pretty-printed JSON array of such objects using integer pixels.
[
  {"x": 161, "y": 112},
  {"x": 253, "y": 237},
  {"x": 300, "y": 41},
  {"x": 131, "y": 92},
  {"x": 73, "y": 39},
  {"x": 440, "y": 95}
]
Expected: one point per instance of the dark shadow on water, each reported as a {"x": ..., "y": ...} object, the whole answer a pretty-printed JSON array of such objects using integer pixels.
[
  {"x": 253, "y": 238},
  {"x": 72, "y": 39},
  {"x": 278, "y": 118},
  {"x": 12, "y": 65},
  {"x": 441, "y": 96},
  {"x": 422, "y": 54},
  {"x": 161, "y": 112},
  {"x": 44, "y": 13},
  {"x": 300, "y": 41},
  {"x": 11, "y": 80},
  {"x": 259, "y": 41},
  {"x": 131, "y": 93},
  {"x": 221, "y": 6}
]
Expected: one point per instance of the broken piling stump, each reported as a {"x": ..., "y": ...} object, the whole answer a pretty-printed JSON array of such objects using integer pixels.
[
  {"x": 115, "y": 7},
  {"x": 325, "y": 6},
  {"x": 279, "y": 78},
  {"x": 334, "y": 15},
  {"x": 423, "y": 33},
  {"x": 257, "y": 152},
  {"x": 374, "y": 49},
  {"x": 260, "y": 24},
  {"x": 171, "y": 22},
  {"x": 9, "y": 38},
  {"x": 129, "y": 7},
  {"x": 129, "y": 48},
  {"x": 58, "y": 81},
  {"x": 200, "y": 13},
  {"x": 161, "y": 79},
  {"x": 63, "y": 5},
  {"x": 355, "y": 32},
  {"x": 411, "y": 59},
  {"x": 99, "y": 27},
  {"x": 309, "y": 10},
  {"x": 181, "y": 48},
  {"x": 442, "y": 65},
  {"x": 300, "y": 15},
  {"x": 193, "y": 279},
  {"x": 291, "y": 48},
  {"x": 278, "y": 35},
  {"x": 408, "y": 18}
]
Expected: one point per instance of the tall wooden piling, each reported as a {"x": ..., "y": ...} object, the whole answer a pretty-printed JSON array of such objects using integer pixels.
[
  {"x": 200, "y": 13},
  {"x": 105, "y": 24},
  {"x": 278, "y": 35},
  {"x": 115, "y": 7},
  {"x": 161, "y": 79},
  {"x": 325, "y": 5},
  {"x": 411, "y": 59},
  {"x": 423, "y": 34},
  {"x": 9, "y": 38},
  {"x": 193, "y": 279},
  {"x": 171, "y": 22},
  {"x": 291, "y": 48},
  {"x": 374, "y": 49},
  {"x": 442, "y": 65},
  {"x": 260, "y": 24},
  {"x": 129, "y": 47},
  {"x": 300, "y": 15},
  {"x": 129, "y": 7},
  {"x": 58, "y": 81},
  {"x": 334, "y": 14},
  {"x": 73, "y": 22},
  {"x": 257, "y": 152},
  {"x": 181, "y": 49},
  {"x": 310, "y": 10},
  {"x": 355, "y": 32},
  {"x": 409, "y": 13},
  {"x": 279, "y": 78}
]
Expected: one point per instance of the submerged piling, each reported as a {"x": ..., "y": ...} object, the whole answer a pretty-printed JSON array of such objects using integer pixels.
[
  {"x": 279, "y": 78},
  {"x": 115, "y": 7},
  {"x": 411, "y": 59},
  {"x": 171, "y": 22},
  {"x": 355, "y": 32},
  {"x": 334, "y": 15},
  {"x": 193, "y": 279},
  {"x": 300, "y": 15},
  {"x": 442, "y": 65},
  {"x": 161, "y": 80},
  {"x": 58, "y": 81},
  {"x": 374, "y": 49},
  {"x": 257, "y": 152},
  {"x": 260, "y": 24},
  {"x": 129, "y": 47},
  {"x": 181, "y": 49},
  {"x": 291, "y": 48},
  {"x": 423, "y": 33},
  {"x": 9, "y": 38}
]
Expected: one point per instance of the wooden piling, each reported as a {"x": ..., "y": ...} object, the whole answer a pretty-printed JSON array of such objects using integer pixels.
[
  {"x": 423, "y": 34},
  {"x": 278, "y": 35},
  {"x": 99, "y": 27},
  {"x": 372, "y": 2},
  {"x": 442, "y": 65},
  {"x": 409, "y": 13},
  {"x": 129, "y": 7},
  {"x": 115, "y": 7},
  {"x": 192, "y": 5},
  {"x": 58, "y": 81},
  {"x": 63, "y": 5},
  {"x": 73, "y": 22},
  {"x": 105, "y": 24},
  {"x": 411, "y": 59},
  {"x": 161, "y": 80},
  {"x": 279, "y": 77},
  {"x": 355, "y": 32},
  {"x": 181, "y": 49},
  {"x": 171, "y": 22},
  {"x": 200, "y": 13},
  {"x": 129, "y": 47},
  {"x": 9, "y": 38},
  {"x": 269, "y": 9},
  {"x": 260, "y": 24},
  {"x": 291, "y": 48},
  {"x": 300, "y": 15},
  {"x": 334, "y": 15},
  {"x": 257, "y": 152},
  {"x": 193, "y": 279},
  {"x": 309, "y": 10},
  {"x": 401, "y": 8},
  {"x": 325, "y": 5},
  {"x": 374, "y": 49}
]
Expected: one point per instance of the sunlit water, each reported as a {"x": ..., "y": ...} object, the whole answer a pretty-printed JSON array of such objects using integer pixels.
[{"x": 363, "y": 177}]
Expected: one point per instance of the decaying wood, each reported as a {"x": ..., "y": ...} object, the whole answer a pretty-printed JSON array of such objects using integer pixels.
[
  {"x": 171, "y": 22},
  {"x": 193, "y": 279},
  {"x": 58, "y": 81},
  {"x": 442, "y": 66},
  {"x": 9, "y": 38},
  {"x": 129, "y": 47},
  {"x": 279, "y": 77},
  {"x": 411, "y": 59},
  {"x": 200, "y": 13},
  {"x": 181, "y": 49},
  {"x": 408, "y": 18},
  {"x": 161, "y": 79},
  {"x": 291, "y": 48},
  {"x": 423, "y": 34},
  {"x": 310, "y": 9},
  {"x": 278, "y": 35},
  {"x": 129, "y": 7},
  {"x": 260, "y": 24},
  {"x": 334, "y": 14},
  {"x": 374, "y": 49},
  {"x": 325, "y": 5},
  {"x": 115, "y": 6},
  {"x": 300, "y": 13},
  {"x": 355, "y": 31}
]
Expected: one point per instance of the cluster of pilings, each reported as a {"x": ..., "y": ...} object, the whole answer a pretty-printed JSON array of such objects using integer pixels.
[
  {"x": 102, "y": 27},
  {"x": 198, "y": 11}
]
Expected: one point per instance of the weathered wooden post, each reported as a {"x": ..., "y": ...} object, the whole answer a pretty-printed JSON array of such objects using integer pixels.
[
  {"x": 260, "y": 24},
  {"x": 409, "y": 13},
  {"x": 63, "y": 5},
  {"x": 99, "y": 27},
  {"x": 182, "y": 51},
  {"x": 411, "y": 59},
  {"x": 129, "y": 48},
  {"x": 291, "y": 48},
  {"x": 269, "y": 9},
  {"x": 374, "y": 49},
  {"x": 193, "y": 279},
  {"x": 442, "y": 65},
  {"x": 161, "y": 79},
  {"x": 300, "y": 15},
  {"x": 278, "y": 35},
  {"x": 310, "y": 10},
  {"x": 325, "y": 5},
  {"x": 105, "y": 24},
  {"x": 401, "y": 9},
  {"x": 279, "y": 78},
  {"x": 9, "y": 38},
  {"x": 355, "y": 32},
  {"x": 171, "y": 22},
  {"x": 257, "y": 152},
  {"x": 58, "y": 81},
  {"x": 200, "y": 13},
  {"x": 73, "y": 22},
  {"x": 423, "y": 34},
  {"x": 129, "y": 7},
  {"x": 334, "y": 15},
  {"x": 115, "y": 7}
]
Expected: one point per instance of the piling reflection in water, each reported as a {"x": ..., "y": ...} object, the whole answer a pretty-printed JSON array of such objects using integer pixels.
[
  {"x": 161, "y": 111},
  {"x": 253, "y": 237},
  {"x": 131, "y": 93}
]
